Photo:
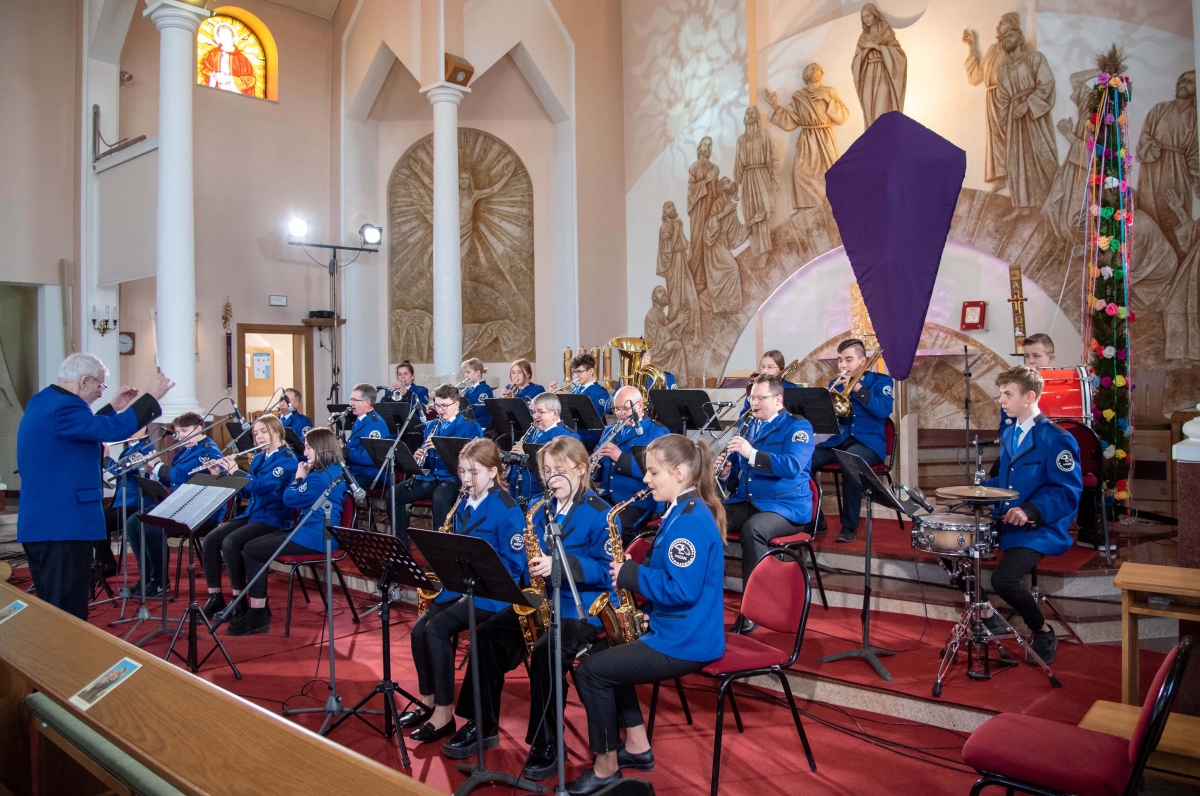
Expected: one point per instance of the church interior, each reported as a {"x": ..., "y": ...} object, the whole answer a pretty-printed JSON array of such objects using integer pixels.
[{"x": 290, "y": 207}]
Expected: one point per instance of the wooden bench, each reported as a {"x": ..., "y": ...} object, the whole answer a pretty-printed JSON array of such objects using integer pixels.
[
  {"x": 1137, "y": 582},
  {"x": 1178, "y": 751}
]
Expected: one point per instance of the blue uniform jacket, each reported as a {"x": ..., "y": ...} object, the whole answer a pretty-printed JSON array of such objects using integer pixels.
[
  {"x": 787, "y": 385},
  {"x": 778, "y": 480},
  {"x": 301, "y": 494},
  {"x": 422, "y": 393},
  {"x": 499, "y": 521},
  {"x": 188, "y": 459},
  {"x": 668, "y": 377},
  {"x": 458, "y": 427},
  {"x": 269, "y": 477},
  {"x": 130, "y": 496},
  {"x": 683, "y": 577},
  {"x": 475, "y": 395},
  {"x": 59, "y": 454},
  {"x": 528, "y": 392},
  {"x": 368, "y": 426},
  {"x": 870, "y": 407},
  {"x": 622, "y": 479},
  {"x": 298, "y": 423},
  {"x": 588, "y": 549},
  {"x": 600, "y": 399},
  {"x": 523, "y": 483},
  {"x": 1045, "y": 471}
]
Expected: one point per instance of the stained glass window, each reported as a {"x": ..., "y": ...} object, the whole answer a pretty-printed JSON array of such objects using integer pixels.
[{"x": 230, "y": 57}]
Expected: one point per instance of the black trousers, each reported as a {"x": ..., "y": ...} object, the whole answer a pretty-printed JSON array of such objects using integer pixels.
[
  {"x": 757, "y": 528},
  {"x": 1016, "y": 563},
  {"x": 501, "y": 649},
  {"x": 257, "y": 554},
  {"x": 433, "y": 637},
  {"x": 62, "y": 573},
  {"x": 851, "y": 489},
  {"x": 228, "y": 542},
  {"x": 443, "y": 494},
  {"x": 606, "y": 681}
]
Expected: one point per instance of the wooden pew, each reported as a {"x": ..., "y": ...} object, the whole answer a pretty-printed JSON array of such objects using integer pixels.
[
  {"x": 197, "y": 737},
  {"x": 1178, "y": 750}
]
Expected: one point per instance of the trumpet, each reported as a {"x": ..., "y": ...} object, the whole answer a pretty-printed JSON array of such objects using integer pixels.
[
  {"x": 569, "y": 388},
  {"x": 398, "y": 393},
  {"x": 211, "y": 462}
]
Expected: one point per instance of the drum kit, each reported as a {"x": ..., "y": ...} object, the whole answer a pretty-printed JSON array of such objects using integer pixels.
[{"x": 962, "y": 542}]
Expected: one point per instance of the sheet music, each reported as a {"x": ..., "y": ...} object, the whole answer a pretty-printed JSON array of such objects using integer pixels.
[{"x": 192, "y": 504}]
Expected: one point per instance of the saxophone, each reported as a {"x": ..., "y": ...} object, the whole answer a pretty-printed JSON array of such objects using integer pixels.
[
  {"x": 533, "y": 621},
  {"x": 425, "y": 597},
  {"x": 622, "y": 622}
]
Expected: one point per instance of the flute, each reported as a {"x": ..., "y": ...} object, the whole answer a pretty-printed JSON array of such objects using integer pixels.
[{"x": 207, "y": 464}]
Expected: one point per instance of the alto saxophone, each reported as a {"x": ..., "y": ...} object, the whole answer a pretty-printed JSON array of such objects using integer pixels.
[
  {"x": 425, "y": 597},
  {"x": 622, "y": 622},
  {"x": 533, "y": 621}
]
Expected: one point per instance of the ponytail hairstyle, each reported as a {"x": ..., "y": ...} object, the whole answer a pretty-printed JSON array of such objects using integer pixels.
[
  {"x": 485, "y": 453},
  {"x": 676, "y": 450}
]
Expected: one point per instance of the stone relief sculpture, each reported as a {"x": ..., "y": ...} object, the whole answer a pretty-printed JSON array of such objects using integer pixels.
[
  {"x": 673, "y": 268},
  {"x": 1167, "y": 152},
  {"x": 985, "y": 70},
  {"x": 756, "y": 177},
  {"x": 664, "y": 326},
  {"x": 1062, "y": 209},
  {"x": 1025, "y": 91},
  {"x": 496, "y": 238},
  {"x": 814, "y": 109},
  {"x": 702, "y": 192},
  {"x": 1178, "y": 298},
  {"x": 880, "y": 67},
  {"x": 720, "y": 267}
]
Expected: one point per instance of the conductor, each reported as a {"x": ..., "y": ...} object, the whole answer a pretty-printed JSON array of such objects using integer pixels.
[{"x": 59, "y": 450}]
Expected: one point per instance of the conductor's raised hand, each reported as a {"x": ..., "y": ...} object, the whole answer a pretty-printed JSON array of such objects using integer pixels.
[
  {"x": 123, "y": 398},
  {"x": 160, "y": 385}
]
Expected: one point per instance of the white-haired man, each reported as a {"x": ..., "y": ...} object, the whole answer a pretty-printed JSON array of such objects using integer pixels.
[{"x": 59, "y": 451}]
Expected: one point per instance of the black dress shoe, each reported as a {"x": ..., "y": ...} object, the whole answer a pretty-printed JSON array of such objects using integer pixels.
[
  {"x": 427, "y": 733},
  {"x": 216, "y": 604},
  {"x": 642, "y": 761},
  {"x": 110, "y": 567},
  {"x": 256, "y": 620},
  {"x": 464, "y": 742},
  {"x": 747, "y": 627},
  {"x": 415, "y": 717},
  {"x": 847, "y": 535},
  {"x": 588, "y": 783},
  {"x": 542, "y": 762}
]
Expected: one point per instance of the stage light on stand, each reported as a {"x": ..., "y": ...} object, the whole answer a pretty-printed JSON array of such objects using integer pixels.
[
  {"x": 371, "y": 235},
  {"x": 298, "y": 228}
]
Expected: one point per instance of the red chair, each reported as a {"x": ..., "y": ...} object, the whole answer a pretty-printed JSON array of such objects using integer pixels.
[
  {"x": 802, "y": 540},
  {"x": 1091, "y": 462},
  {"x": 885, "y": 469},
  {"x": 314, "y": 561},
  {"x": 777, "y": 597},
  {"x": 1039, "y": 756}
]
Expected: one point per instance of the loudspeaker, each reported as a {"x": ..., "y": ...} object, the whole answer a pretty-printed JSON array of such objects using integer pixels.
[{"x": 458, "y": 70}]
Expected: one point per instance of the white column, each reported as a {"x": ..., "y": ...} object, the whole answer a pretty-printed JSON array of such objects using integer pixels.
[
  {"x": 177, "y": 23},
  {"x": 447, "y": 255}
]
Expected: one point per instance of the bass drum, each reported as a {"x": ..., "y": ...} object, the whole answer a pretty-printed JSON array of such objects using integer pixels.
[
  {"x": 1067, "y": 394},
  {"x": 952, "y": 534}
]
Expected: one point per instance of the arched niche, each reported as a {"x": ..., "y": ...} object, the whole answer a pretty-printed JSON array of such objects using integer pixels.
[{"x": 265, "y": 38}]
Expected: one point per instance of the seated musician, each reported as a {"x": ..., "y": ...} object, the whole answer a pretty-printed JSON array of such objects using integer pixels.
[
  {"x": 862, "y": 433},
  {"x": 583, "y": 369},
  {"x": 770, "y": 464},
  {"x": 772, "y": 363},
  {"x": 290, "y": 415},
  {"x": 403, "y": 386},
  {"x": 620, "y": 475},
  {"x": 126, "y": 496},
  {"x": 683, "y": 579},
  {"x": 439, "y": 484},
  {"x": 367, "y": 425},
  {"x": 521, "y": 385},
  {"x": 547, "y": 424},
  {"x": 322, "y": 465},
  {"x": 270, "y": 473},
  {"x": 486, "y": 511},
  {"x": 668, "y": 377},
  {"x": 477, "y": 389},
  {"x": 581, "y": 515},
  {"x": 1040, "y": 460},
  {"x": 1039, "y": 353}
]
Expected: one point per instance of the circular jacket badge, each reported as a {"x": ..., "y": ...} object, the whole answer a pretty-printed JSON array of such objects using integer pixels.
[
  {"x": 374, "y": 434},
  {"x": 278, "y": 471},
  {"x": 800, "y": 436},
  {"x": 517, "y": 541},
  {"x": 303, "y": 486},
  {"x": 681, "y": 553},
  {"x": 1065, "y": 461}
]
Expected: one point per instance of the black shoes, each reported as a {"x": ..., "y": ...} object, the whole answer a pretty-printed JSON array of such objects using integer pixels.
[
  {"x": 152, "y": 589},
  {"x": 216, "y": 604},
  {"x": 255, "y": 620},
  {"x": 847, "y": 535},
  {"x": 1045, "y": 644},
  {"x": 742, "y": 626},
  {"x": 427, "y": 733},
  {"x": 414, "y": 717},
  {"x": 588, "y": 783},
  {"x": 542, "y": 762},
  {"x": 643, "y": 761},
  {"x": 463, "y": 744}
]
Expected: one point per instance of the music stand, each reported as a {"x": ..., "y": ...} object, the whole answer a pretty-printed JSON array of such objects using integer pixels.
[
  {"x": 402, "y": 459},
  {"x": 681, "y": 410},
  {"x": 509, "y": 416},
  {"x": 157, "y": 493},
  {"x": 236, "y": 433},
  {"x": 394, "y": 414},
  {"x": 448, "y": 449},
  {"x": 854, "y": 467},
  {"x": 579, "y": 411},
  {"x": 294, "y": 442},
  {"x": 471, "y": 566},
  {"x": 385, "y": 559},
  {"x": 813, "y": 404}
]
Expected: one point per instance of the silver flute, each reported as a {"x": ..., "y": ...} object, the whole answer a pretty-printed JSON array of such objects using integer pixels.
[{"x": 207, "y": 464}]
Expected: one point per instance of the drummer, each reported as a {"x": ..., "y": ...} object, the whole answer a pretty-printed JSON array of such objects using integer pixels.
[
  {"x": 1039, "y": 353},
  {"x": 1040, "y": 461}
]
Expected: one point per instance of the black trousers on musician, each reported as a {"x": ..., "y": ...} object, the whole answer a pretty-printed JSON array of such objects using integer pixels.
[
  {"x": 257, "y": 554},
  {"x": 228, "y": 543},
  {"x": 442, "y": 494},
  {"x": 502, "y": 649},
  {"x": 433, "y": 647},
  {"x": 62, "y": 573},
  {"x": 1007, "y": 582},
  {"x": 757, "y": 528},
  {"x": 851, "y": 489},
  {"x": 606, "y": 681}
]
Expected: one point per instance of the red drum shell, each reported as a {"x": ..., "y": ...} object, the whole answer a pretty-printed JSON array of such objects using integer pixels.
[{"x": 1067, "y": 394}]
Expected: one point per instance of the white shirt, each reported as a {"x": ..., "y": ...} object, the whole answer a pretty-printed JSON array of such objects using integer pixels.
[
  {"x": 473, "y": 503},
  {"x": 1023, "y": 428},
  {"x": 761, "y": 425}
]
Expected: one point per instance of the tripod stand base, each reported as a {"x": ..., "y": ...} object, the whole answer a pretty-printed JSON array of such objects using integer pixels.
[
  {"x": 333, "y": 711},
  {"x": 870, "y": 654},
  {"x": 970, "y": 632},
  {"x": 391, "y": 716},
  {"x": 483, "y": 776}
]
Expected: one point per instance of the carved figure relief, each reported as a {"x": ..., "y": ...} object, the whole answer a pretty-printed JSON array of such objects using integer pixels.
[
  {"x": 814, "y": 110},
  {"x": 756, "y": 176},
  {"x": 682, "y": 299},
  {"x": 880, "y": 67},
  {"x": 702, "y": 192},
  {"x": 1025, "y": 91},
  {"x": 1166, "y": 150},
  {"x": 986, "y": 70},
  {"x": 665, "y": 326}
]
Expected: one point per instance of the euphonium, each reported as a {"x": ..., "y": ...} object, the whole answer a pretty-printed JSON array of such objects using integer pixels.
[
  {"x": 841, "y": 400},
  {"x": 622, "y": 622},
  {"x": 533, "y": 621},
  {"x": 425, "y": 597}
]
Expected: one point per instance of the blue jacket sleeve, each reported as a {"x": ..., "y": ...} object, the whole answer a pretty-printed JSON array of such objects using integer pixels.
[
  {"x": 591, "y": 569},
  {"x": 1059, "y": 496},
  {"x": 357, "y": 454},
  {"x": 75, "y": 421},
  {"x": 314, "y": 485},
  {"x": 674, "y": 586},
  {"x": 877, "y": 399}
]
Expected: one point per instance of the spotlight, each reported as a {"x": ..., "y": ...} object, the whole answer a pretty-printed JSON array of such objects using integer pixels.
[
  {"x": 298, "y": 228},
  {"x": 371, "y": 235}
]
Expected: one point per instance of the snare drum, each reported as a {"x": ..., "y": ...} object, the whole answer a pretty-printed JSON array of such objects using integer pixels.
[
  {"x": 951, "y": 534},
  {"x": 1067, "y": 394}
]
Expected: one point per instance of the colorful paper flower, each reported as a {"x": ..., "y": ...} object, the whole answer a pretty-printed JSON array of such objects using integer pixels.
[
  {"x": 1107, "y": 212},
  {"x": 1106, "y": 272},
  {"x": 1100, "y": 305},
  {"x": 1118, "y": 381},
  {"x": 1120, "y": 454},
  {"x": 1124, "y": 185},
  {"x": 1111, "y": 309},
  {"x": 1111, "y": 182},
  {"x": 1095, "y": 210},
  {"x": 1106, "y": 381},
  {"x": 1103, "y": 78},
  {"x": 1108, "y": 352},
  {"x": 1110, "y": 451},
  {"x": 1095, "y": 380},
  {"x": 1091, "y": 144},
  {"x": 1115, "y": 83},
  {"x": 1114, "y": 245},
  {"x": 1121, "y": 494},
  {"x": 1121, "y": 353},
  {"x": 1108, "y": 414},
  {"x": 1122, "y": 484},
  {"x": 1109, "y": 118},
  {"x": 1132, "y": 317},
  {"x": 1122, "y": 312}
]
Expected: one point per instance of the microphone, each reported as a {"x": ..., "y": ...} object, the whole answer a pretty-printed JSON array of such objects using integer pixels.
[
  {"x": 723, "y": 404},
  {"x": 238, "y": 414},
  {"x": 356, "y": 490},
  {"x": 986, "y": 443},
  {"x": 916, "y": 497},
  {"x": 637, "y": 421}
]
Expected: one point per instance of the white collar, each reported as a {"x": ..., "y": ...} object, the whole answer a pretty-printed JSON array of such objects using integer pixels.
[
  {"x": 473, "y": 503},
  {"x": 674, "y": 502},
  {"x": 1023, "y": 428},
  {"x": 583, "y": 386},
  {"x": 773, "y": 419}
]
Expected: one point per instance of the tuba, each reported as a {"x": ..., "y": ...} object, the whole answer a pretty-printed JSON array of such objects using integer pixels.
[
  {"x": 425, "y": 597},
  {"x": 622, "y": 622},
  {"x": 533, "y": 621},
  {"x": 632, "y": 371},
  {"x": 841, "y": 400}
]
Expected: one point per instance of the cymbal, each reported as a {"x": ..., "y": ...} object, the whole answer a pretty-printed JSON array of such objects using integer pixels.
[{"x": 977, "y": 493}]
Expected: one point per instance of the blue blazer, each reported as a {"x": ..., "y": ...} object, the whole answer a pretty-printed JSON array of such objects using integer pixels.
[
  {"x": 870, "y": 407},
  {"x": 600, "y": 399},
  {"x": 588, "y": 549},
  {"x": 475, "y": 395},
  {"x": 528, "y": 392},
  {"x": 188, "y": 459},
  {"x": 523, "y": 483},
  {"x": 778, "y": 480},
  {"x": 422, "y": 394},
  {"x": 368, "y": 426},
  {"x": 622, "y": 479},
  {"x": 1045, "y": 471},
  {"x": 500, "y": 522},
  {"x": 130, "y": 496},
  {"x": 683, "y": 577},
  {"x": 302, "y": 493},
  {"x": 59, "y": 451},
  {"x": 269, "y": 477},
  {"x": 458, "y": 427},
  {"x": 298, "y": 423}
]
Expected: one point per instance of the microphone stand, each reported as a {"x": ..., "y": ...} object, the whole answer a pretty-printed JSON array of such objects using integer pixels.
[{"x": 967, "y": 392}]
